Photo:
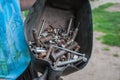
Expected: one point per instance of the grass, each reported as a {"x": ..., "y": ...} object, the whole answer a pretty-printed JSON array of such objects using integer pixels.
[
  {"x": 106, "y": 49},
  {"x": 26, "y": 13},
  {"x": 109, "y": 23},
  {"x": 98, "y": 38},
  {"x": 116, "y": 55}
]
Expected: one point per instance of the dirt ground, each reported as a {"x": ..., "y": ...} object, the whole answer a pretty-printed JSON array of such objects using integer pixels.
[
  {"x": 103, "y": 65},
  {"x": 115, "y": 8},
  {"x": 97, "y": 3}
]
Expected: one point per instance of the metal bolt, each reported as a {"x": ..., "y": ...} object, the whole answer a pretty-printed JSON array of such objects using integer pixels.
[
  {"x": 48, "y": 53},
  {"x": 35, "y": 37},
  {"x": 72, "y": 52},
  {"x": 69, "y": 26},
  {"x": 45, "y": 39},
  {"x": 63, "y": 51},
  {"x": 43, "y": 24},
  {"x": 69, "y": 61}
]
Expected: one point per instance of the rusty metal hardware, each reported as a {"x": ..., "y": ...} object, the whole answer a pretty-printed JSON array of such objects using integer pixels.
[
  {"x": 34, "y": 32},
  {"x": 69, "y": 61},
  {"x": 63, "y": 50},
  {"x": 74, "y": 35},
  {"x": 68, "y": 50},
  {"x": 69, "y": 26},
  {"x": 41, "y": 29},
  {"x": 57, "y": 46},
  {"x": 48, "y": 53},
  {"x": 45, "y": 39},
  {"x": 75, "y": 32}
]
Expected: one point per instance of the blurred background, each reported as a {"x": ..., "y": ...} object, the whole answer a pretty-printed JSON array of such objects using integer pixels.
[{"x": 105, "y": 60}]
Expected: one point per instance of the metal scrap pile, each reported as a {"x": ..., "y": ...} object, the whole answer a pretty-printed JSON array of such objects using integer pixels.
[{"x": 57, "y": 45}]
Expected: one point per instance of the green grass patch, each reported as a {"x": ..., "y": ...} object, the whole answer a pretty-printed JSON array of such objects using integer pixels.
[
  {"x": 106, "y": 49},
  {"x": 111, "y": 39},
  {"x": 116, "y": 55},
  {"x": 98, "y": 38},
  {"x": 109, "y": 23},
  {"x": 26, "y": 13}
]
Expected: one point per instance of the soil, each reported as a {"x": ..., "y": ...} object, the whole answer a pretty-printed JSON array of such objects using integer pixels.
[
  {"x": 97, "y": 3},
  {"x": 114, "y": 8},
  {"x": 104, "y": 64}
]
